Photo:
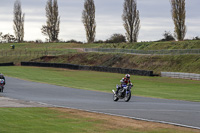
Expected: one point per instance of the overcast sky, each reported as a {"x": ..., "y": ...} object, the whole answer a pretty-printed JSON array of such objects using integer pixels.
[{"x": 155, "y": 17}]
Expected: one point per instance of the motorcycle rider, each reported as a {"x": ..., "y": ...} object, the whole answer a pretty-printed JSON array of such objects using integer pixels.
[
  {"x": 2, "y": 77},
  {"x": 124, "y": 81}
]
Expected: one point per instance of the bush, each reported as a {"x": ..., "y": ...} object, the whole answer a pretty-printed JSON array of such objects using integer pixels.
[
  {"x": 38, "y": 41},
  {"x": 196, "y": 38},
  {"x": 99, "y": 41},
  {"x": 73, "y": 41},
  {"x": 116, "y": 38},
  {"x": 168, "y": 36}
]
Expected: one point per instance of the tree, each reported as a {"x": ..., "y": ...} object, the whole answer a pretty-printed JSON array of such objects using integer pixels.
[
  {"x": 18, "y": 21},
  {"x": 178, "y": 16},
  {"x": 1, "y": 34},
  {"x": 88, "y": 19},
  {"x": 52, "y": 27},
  {"x": 131, "y": 20},
  {"x": 116, "y": 38},
  {"x": 8, "y": 38}
]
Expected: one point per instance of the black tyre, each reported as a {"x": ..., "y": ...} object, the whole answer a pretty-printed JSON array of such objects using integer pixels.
[
  {"x": 1, "y": 88},
  {"x": 128, "y": 97},
  {"x": 115, "y": 98}
]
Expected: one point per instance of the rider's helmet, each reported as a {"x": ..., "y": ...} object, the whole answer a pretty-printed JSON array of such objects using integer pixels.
[{"x": 127, "y": 76}]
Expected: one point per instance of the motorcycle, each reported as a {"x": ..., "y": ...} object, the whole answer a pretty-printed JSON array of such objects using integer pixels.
[
  {"x": 2, "y": 83},
  {"x": 124, "y": 92}
]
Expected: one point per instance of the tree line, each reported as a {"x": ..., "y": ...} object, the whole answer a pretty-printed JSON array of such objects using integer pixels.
[{"x": 130, "y": 17}]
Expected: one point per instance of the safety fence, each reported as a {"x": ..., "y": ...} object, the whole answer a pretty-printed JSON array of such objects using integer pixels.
[
  {"x": 191, "y": 76},
  {"x": 92, "y": 68},
  {"x": 145, "y": 52},
  {"x": 7, "y": 64}
]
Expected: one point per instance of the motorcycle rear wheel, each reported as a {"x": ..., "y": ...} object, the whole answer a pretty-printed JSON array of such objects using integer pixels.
[{"x": 128, "y": 97}]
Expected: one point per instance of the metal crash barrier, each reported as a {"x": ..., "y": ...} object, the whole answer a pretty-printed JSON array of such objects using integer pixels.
[{"x": 191, "y": 76}]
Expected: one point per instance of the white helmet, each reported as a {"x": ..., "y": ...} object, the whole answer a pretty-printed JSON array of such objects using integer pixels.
[{"x": 127, "y": 76}]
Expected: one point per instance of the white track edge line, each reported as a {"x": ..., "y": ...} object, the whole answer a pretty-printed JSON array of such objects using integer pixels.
[{"x": 135, "y": 118}]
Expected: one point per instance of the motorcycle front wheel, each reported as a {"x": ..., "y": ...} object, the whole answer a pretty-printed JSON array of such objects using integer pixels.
[
  {"x": 115, "y": 98},
  {"x": 128, "y": 97}
]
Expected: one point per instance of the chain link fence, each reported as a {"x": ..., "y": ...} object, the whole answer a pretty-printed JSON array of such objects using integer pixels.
[
  {"x": 191, "y": 76},
  {"x": 145, "y": 52}
]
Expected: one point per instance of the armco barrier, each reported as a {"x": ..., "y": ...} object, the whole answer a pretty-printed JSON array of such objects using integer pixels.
[
  {"x": 7, "y": 64},
  {"x": 179, "y": 75},
  {"x": 145, "y": 52},
  {"x": 92, "y": 68}
]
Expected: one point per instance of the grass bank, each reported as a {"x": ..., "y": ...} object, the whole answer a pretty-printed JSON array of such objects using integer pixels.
[
  {"x": 192, "y": 44},
  {"x": 53, "y": 120},
  {"x": 157, "y": 87},
  {"x": 175, "y": 63},
  {"x": 156, "y": 63}
]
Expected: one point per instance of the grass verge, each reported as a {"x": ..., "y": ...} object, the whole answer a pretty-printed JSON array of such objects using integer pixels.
[
  {"x": 157, "y": 87},
  {"x": 59, "y": 120},
  {"x": 190, "y": 44}
]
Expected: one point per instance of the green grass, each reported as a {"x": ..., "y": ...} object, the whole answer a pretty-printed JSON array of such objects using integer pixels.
[
  {"x": 156, "y": 63},
  {"x": 41, "y": 120},
  {"x": 16, "y": 59},
  {"x": 174, "y": 63},
  {"x": 33, "y": 46},
  {"x": 192, "y": 44},
  {"x": 27, "y": 52},
  {"x": 166, "y": 88},
  {"x": 47, "y": 120},
  {"x": 44, "y": 46}
]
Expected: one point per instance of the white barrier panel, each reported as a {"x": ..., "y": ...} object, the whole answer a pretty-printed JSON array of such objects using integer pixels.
[{"x": 191, "y": 76}]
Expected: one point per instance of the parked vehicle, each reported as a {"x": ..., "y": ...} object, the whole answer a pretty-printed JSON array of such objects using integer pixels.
[{"x": 124, "y": 92}]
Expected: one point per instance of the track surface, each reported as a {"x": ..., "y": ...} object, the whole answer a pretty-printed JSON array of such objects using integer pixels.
[{"x": 172, "y": 111}]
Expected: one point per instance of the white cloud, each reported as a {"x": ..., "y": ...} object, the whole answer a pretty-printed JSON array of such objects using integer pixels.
[{"x": 33, "y": 31}]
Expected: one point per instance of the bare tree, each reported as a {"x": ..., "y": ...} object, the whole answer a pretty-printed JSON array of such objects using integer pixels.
[
  {"x": 51, "y": 29},
  {"x": 88, "y": 19},
  {"x": 8, "y": 38},
  {"x": 18, "y": 21},
  {"x": 178, "y": 16},
  {"x": 136, "y": 27},
  {"x": 131, "y": 20}
]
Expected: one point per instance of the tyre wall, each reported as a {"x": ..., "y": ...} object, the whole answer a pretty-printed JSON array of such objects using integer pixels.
[
  {"x": 7, "y": 64},
  {"x": 92, "y": 68}
]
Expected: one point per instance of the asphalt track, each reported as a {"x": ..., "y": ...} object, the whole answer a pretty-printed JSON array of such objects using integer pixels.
[{"x": 180, "y": 113}]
